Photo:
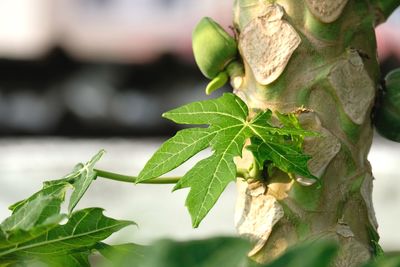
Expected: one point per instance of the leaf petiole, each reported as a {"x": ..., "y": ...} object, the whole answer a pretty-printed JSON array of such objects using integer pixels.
[
  {"x": 132, "y": 179},
  {"x": 243, "y": 173}
]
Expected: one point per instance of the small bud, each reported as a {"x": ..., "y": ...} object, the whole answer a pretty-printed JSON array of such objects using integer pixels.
[
  {"x": 213, "y": 47},
  {"x": 216, "y": 83}
]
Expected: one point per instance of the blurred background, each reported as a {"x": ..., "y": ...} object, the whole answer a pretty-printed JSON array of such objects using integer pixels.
[{"x": 80, "y": 75}]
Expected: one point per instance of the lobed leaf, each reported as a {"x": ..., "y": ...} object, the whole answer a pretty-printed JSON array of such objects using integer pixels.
[
  {"x": 207, "y": 180},
  {"x": 286, "y": 157},
  {"x": 177, "y": 150},
  {"x": 33, "y": 231},
  {"x": 83, "y": 178},
  {"x": 16, "y": 237},
  {"x": 228, "y": 108},
  {"x": 292, "y": 129},
  {"x": 82, "y": 231},
  {"x": 36, "y": 209},
  {"x": 228, "y": 129}
]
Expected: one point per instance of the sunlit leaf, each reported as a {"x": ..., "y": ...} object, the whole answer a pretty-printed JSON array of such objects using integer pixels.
[
  {"x": 84, "y": 177},
  {"x": 82, "y": 231},
  {"x": 229, "y": 127},
  {"x": 36, "y": 209}
]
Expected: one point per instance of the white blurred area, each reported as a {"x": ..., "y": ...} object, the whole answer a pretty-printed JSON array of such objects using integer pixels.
[
  {"x": 112, "y": 30},
  {"x": 123, "y": 31},
  {"x": 26, "y": 28}
]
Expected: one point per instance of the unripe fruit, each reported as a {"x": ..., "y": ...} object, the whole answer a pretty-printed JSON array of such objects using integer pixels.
[
  {"x": 213, "y": 47},
  {"x": 387, "y": 117}
]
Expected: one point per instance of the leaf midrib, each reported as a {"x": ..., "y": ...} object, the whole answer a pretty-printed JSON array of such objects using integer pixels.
[{"x": 207, "y": 112}]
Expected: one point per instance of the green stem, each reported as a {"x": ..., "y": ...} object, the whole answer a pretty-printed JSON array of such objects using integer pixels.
[
  {"x": 132, "y": 179},
  {"x": 243, "y": 173}
]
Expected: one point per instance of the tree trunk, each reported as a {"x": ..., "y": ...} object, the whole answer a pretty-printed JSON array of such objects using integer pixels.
[{"x": 316, "y": 58}]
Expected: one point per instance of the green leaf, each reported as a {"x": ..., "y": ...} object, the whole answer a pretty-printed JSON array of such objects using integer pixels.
[
  {"x": 33, "y": 231},
  {"x": 16, "y": 237},
  {"x": 208, "y": 178},
  {"x": 229, "y": 127},
  {"x": 260, "y": 123},
  {"x": 82, "y": 231},
  {"x": 185, "y": 144},
  {"x": 384, "y": 261},
  {"x": 83, "y": 177},
  {"x": 214, "y": 252},
  {"x": 79, "y": 259},
  {"x": 36, "y": 209},
  {"x": 80, "y": 178},
  {"x": 8, "y": 263},
  {"x": 316, "y": 254},
  {"x": 284, "y": 147},
  {"x": 228, "y": 109},
  {"x": 123, "y": 255},
  {"x": 289, "y": 158}
]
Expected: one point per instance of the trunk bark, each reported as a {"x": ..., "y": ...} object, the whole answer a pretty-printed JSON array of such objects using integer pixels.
[{"x": 316, "y": 58}]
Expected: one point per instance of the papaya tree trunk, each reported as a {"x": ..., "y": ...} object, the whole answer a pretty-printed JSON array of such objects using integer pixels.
[{"x": 317, "y": 59}]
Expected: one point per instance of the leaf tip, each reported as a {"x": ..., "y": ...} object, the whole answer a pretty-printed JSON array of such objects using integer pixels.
[
  {"x": 196, "y": 221},
  {"x": 166, "y": 115},
  {"x": 177, "y": 187}
]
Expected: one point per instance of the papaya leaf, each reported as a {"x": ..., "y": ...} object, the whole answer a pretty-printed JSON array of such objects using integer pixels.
[
  {"x": 83, "y": 230},
  {"x": 36, "y": 209},
  {"x": 285, "y": 156},
  {"x": 17, "y": 236},
  {"x": 185, "y": 144},
  {"x": 213, "y": 252},
  {"x": 80, "y": 179},
  {"x": 316, "y": 254},
  {"x": 34, "y": 231},
  {"x": 128, "y": 255},
  {"x": 78, "y": 259},
  {"x": 83, "y": 177},
  {"x": 229, "y": 127}
]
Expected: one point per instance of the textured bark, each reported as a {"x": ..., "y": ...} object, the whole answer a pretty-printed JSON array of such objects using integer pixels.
[{"x": 316, "y": 58}]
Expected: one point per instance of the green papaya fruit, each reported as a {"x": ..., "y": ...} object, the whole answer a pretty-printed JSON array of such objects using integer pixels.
[
  {"x": 213, "y": 47},
  {"x": 387, "y": 116}
]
